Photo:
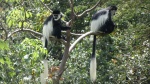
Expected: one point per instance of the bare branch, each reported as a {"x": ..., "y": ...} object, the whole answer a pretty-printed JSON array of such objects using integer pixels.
[
  {"x": 51, "y": 10},
  {"x": 73, "y": 14},
  {"x": 74, "y": 34},
  {"x": 46, "y": 6},
  {"x": 26, "y": 30},
  {"x": 88, "y": 10},
  {"x": 80, "y": 38},
  {"x": 71, "y": 4},
  {"x": 66, "y": 52},
  {"x": 84, "y": 35},
  {"x": 34, "y": 32}
]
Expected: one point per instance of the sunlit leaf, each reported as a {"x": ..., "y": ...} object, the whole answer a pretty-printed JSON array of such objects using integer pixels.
[
  {"x": 27, "y": 15},
  {"x": 42, "y": 0},
  {"x": 4, "y": 45},
  {"x": 10, "y": 23},
  {"x": 20, "y": 24},
  {"x": 2, "y": 60}
]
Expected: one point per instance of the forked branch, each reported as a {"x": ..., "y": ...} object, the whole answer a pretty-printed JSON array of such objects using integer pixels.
[{"x": 88, "y": 10}]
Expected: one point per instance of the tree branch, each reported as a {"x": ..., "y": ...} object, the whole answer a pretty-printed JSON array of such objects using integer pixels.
[
  {"x": 34, "y": 32},
  {"x": 51, "y": 10},
  {"x": 46, "y": 6},
  {"x": 67, "y": 49},
  {"x": 80, "y": 38},
  {"x": 66, "y": 52},
  {"x": 88, "y": 10},
  {"x": 26, "y": 30},
  {"x": 74, "y": 34},
  {"x": 84, "y": 35},
  {"x": 73, "y": 14},
  {"x": 72, "y": 7}
]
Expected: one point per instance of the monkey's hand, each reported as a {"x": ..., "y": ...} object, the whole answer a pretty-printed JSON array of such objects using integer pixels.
[{"x": 68, "y": 24}]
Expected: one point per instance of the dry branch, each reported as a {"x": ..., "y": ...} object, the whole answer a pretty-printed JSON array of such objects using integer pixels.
[
  {"x": 66, "y": 52},
  {"x": 80, "y": 38},
  {"x": 51, "y": 10},
  {"x": 88, "y": 10},
  {"x": 46, "y": 6},
  {"x": 24, "y": 30},
  {"x": 84, "y": 35},
  {"x": 34, "y": 32}
]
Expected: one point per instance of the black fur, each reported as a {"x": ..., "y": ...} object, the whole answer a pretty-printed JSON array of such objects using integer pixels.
[
  {"x": 103, "y": 23},
  {"x": 108, "y": 27},
  {"x": 52, "y": 27},
  {"x": 57, "y": 26},
  {"x": 98, "y": 14}
]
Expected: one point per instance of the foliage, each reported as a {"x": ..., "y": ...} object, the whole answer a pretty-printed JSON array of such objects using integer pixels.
[{"x": 122, "y": 57}]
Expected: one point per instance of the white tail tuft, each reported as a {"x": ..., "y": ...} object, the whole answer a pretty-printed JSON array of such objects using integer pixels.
[
  {"x": 44, "y": 75},
  {"x": 93, "y": 69},
  {"x": 43, "y": 41},
  {"x": 91, "y": 37}
]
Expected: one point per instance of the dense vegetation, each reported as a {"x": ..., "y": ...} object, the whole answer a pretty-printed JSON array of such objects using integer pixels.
[{"x": 122, "y": 57}]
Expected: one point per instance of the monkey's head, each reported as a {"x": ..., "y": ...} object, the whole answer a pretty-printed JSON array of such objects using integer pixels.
[
  {"x": 57, "y": 15},
  {"x": 112, "y": 9}
]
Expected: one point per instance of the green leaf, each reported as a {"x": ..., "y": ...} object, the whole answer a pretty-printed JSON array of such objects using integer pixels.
[
  {"x": 42, "y": 0},
  {"x": 12, "y": 74},
  {"x": 20, "y": 24},
  {"x": 27, "y": 15},
  {"x": 2, "y": 60},
  {"x": 10, "y": 22},
  {"x": 35, "y": 55},
  {"x": 4, "y": 45}
]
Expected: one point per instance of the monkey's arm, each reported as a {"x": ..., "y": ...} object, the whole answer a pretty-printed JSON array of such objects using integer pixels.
[{"x": 65, "y": 28}]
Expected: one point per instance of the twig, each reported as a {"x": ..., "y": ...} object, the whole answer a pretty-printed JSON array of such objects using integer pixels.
[
  {"x": 26, "y": 30},
  {"x": 46, "y": 6},
  {"x": 88, "y": 10},
  {"x": 51, "y": 10}
]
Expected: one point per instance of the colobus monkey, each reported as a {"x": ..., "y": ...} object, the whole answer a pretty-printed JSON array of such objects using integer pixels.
[
  {"x": 101, "y": 22},
  {"x": 52, "y": 27}
]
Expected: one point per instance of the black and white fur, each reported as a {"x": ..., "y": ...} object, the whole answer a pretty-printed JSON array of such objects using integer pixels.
[
  {"x": 101, "y": 22},
  {"x": 52, "y": 27}
]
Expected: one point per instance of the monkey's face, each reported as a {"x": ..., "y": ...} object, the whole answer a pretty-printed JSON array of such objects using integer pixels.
[
  {"x": 112, "y": 9},
  {"x": 113, "y": 12},
  {"x": 57, "y": 17}
]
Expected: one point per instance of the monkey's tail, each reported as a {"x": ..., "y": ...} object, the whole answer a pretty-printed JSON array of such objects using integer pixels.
[
  {"x": 44, "y": 75},
  {"x": 93, "y": 63},
  {"x": 44, "y": 42}
]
